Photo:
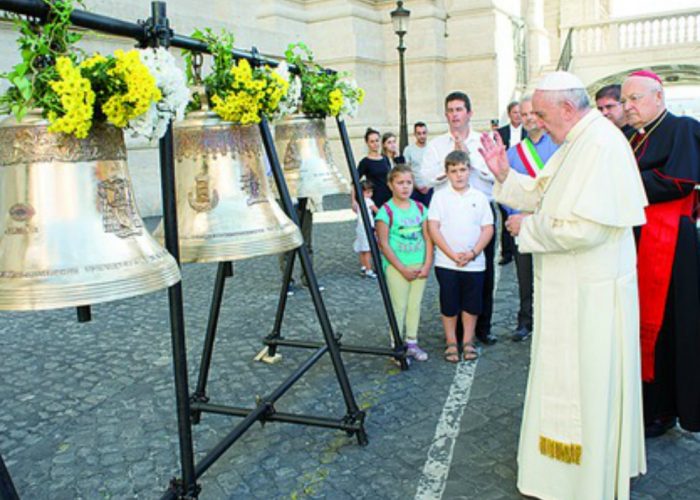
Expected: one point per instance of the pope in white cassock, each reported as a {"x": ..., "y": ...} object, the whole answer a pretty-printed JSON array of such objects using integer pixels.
[{"x": 582, "y": 434}]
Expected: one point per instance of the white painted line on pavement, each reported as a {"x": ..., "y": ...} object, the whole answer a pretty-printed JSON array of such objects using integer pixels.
[{"x": 437, "y": 466}]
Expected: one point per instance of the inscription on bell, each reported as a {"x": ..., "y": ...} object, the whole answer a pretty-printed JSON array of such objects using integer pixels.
[
  {"x": 21, "y": 213},
  {"x": 292, "y": 161},
  {"x": 202, "y": 197},
  {"x": 117, "y": 206},
  {"x": 250, "y": 183}
]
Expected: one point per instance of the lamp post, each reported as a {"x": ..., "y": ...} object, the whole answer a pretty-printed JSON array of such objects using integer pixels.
[{"x": 399, "y": 18}]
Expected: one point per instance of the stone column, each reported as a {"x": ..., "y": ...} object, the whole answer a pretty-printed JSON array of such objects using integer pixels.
[{"x": 537, "y": 37}]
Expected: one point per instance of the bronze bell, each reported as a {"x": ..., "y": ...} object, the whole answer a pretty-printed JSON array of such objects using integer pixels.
[
  {"x": 70, "y": 232},
  {"x": 309, "y": 168},
  {"x": 224, "y": 205}
]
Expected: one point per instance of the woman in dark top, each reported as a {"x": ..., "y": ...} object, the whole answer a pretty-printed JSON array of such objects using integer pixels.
[
  {"x": 390, "y": 149},
  {"x": 375, "y": 168}
]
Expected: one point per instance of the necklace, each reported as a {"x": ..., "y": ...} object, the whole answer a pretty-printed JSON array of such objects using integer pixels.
[{"x": 645, "y": 136}]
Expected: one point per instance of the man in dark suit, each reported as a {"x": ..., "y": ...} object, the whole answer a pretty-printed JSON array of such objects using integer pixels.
[
  {"x": 514, "y": 131},
  {"x": 607, "y": 100},
  {"x": 511, "y": 134}
]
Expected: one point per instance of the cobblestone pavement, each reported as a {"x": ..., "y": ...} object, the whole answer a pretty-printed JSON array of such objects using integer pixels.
[{"x": 88, "y": 409}]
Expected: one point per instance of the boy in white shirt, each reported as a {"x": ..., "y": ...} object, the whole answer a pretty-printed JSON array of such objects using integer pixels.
[{"x": 460, "y": 222}]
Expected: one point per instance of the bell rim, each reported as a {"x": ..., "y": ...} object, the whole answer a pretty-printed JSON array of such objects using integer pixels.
[
  {"x": 195, "y": 251},
  {"x": 36, "y": 297}
]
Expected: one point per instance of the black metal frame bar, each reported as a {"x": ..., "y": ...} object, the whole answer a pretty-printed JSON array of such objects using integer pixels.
[
  {"x": 7, "y": 488},
  {"x": 156, "y": 32}
]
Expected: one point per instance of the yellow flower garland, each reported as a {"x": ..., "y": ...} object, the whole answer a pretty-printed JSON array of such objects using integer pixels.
[
  {"x": 141, "y": 89},
  {"x": 252, "y": 92},
  {"x": 77, "y": 99},
  {"x": 335, "y": 99}
]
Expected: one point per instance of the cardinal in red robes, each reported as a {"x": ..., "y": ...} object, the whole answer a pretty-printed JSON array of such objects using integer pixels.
[{"x": 667, "y": 149}]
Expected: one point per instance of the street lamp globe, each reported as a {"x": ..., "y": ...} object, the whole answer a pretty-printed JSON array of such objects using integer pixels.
[{"x": 399, "y": 17}]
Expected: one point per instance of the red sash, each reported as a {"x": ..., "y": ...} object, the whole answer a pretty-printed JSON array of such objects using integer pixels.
[{"x": 657, "y": 249}]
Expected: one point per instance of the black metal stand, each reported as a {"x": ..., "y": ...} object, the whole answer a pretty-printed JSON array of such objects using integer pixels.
[
  {"x": 276, "y": 339},
  {"x": 186, "y": 487},
  {"x": 7, "y": 489},
  {"x": 353, "y": 422}
]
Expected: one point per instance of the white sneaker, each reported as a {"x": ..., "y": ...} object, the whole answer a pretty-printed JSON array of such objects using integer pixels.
[
  {"x": 416, "y": 352},
  {"x": 370, "y": 274},
  {"x": 363, "y": 270}
]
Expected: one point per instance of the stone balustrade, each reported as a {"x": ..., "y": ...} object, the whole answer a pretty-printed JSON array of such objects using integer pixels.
[{"x": 656, "y": 31}]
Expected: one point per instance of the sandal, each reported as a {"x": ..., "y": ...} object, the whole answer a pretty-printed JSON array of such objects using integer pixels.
[
  {"x": 469, "y": 352},
  {"x": 451, "y": 353}
]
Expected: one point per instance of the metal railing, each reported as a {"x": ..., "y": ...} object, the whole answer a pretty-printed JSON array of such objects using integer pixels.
[
  {"x": 566, "y": 53},
  {"x": 640, "y": 32}
]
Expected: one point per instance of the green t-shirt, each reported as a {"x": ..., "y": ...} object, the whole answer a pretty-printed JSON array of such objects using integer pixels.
[{"x": 405, "y": 232}]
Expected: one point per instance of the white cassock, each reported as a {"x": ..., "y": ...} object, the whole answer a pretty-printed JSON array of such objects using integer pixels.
[{"x": 582, "y": 434}]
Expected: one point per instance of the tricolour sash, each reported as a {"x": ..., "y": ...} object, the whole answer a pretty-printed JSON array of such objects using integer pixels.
[{"x": 529, "y": 156}]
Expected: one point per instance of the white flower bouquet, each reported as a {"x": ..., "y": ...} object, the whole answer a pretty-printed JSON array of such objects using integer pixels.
[{"x": 171, "y": 81}]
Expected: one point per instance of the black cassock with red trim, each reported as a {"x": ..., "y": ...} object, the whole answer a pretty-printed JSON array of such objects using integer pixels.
[{"x": 668, "y": 155}]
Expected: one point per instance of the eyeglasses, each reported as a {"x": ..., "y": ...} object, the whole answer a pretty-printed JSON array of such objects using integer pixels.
[{"x": 634, "y": 98}]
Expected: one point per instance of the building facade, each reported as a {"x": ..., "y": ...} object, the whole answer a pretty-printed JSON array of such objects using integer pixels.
[{"x": 491, "y": 49}]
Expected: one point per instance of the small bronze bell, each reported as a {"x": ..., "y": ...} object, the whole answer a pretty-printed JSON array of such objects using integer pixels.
[
  {"x": 309, "y": 168},
  {"x": 70, "y": 232},
  {"x": 224, "y": 205}
]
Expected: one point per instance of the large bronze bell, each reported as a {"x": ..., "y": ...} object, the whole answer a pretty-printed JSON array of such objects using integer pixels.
[
  {"x": 309, "y": 168},
  {"x": 70, "y": 232},
  {"x": 224, "y": 206}
]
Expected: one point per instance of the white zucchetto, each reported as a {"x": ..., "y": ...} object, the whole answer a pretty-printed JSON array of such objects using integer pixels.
[{"x": 560, "y": 80}]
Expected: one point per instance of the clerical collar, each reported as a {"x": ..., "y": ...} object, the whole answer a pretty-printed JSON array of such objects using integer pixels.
[
  {"x": 639, "y": 138},
  {"x": 653, "y": 123}
]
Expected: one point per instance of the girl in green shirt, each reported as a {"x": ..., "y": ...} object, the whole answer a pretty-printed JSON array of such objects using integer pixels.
[{"x": 401, "y": 226}]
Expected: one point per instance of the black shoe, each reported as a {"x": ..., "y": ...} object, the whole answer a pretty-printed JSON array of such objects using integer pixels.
[
  {"x": 488, "y": 339},
  {"x": 521, "y": 334},
  {"x": 505, "y": 260},
  {"x": 659, "y": 427}
]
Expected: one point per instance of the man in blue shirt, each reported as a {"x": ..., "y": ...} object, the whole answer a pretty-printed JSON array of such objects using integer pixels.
[{"x": 527, "y": 157}]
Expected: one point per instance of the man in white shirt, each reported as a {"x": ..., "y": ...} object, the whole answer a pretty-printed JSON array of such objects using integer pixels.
[
  {"x": 414, "y": 158},
  {"x": 460, "y": 137},
  {"x": 414, "y": 152}
]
